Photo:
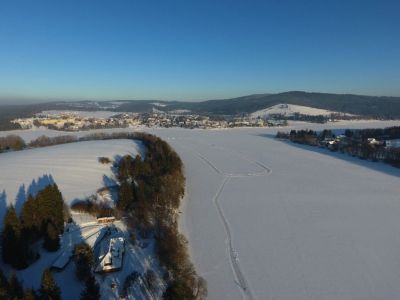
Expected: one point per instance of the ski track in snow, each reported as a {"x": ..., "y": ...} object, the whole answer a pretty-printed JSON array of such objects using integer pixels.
[{"x": 241, "y": 280}]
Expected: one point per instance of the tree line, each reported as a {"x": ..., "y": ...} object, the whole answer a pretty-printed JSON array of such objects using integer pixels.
[
  {"x": 363, "y": 143},
  {"x": 150, "y": 192},
  {"x": 42, "y": 217}
]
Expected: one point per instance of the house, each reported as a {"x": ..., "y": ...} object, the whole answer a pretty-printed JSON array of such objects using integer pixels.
[
  {"x": 373, "y": 141},
  {"x": 112, "y": 260},
  {"x": 106, "y": 220}
]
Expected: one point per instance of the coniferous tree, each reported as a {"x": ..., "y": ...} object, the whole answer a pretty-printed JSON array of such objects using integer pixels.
[
  {"x": 31, "y": 218},
  {"x": 84, "y": 260},
  {"x": 51, "y": 208},
  {"x": 51, "y": 238},
  {"x": 178, "y": 290},
  {"x": 41, "y": 217},
  {"x": 30, "y": 294},
  {"x": 125, "y": 196},
  {"x": 3, "y": 286},
  {"x": 15, "y": 288},
  {"x": 91, "y": 290},
  {"x": 11, "y": 236},
  {"x": 49, "y": 289}
]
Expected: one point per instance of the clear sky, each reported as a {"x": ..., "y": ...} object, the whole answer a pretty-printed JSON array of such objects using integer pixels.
[{"x": 196, "y": 49}]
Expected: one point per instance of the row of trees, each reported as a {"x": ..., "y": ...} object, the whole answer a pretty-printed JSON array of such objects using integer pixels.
[
  {"x": 357, "y": 143},
  {"x": 93, "y": 207},
  {"x": 11, "y": 142},
  {"x": 42, "y": 217},
  {"x": 12, "y": 288},
  {"x": 150, "y": 192}
]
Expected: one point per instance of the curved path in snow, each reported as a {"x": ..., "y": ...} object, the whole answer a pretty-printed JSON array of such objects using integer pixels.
[{"x": 233, "y": 254}]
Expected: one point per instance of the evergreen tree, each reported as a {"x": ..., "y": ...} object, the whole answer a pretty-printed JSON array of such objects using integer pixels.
[
  {"x": 51, "y": 208},
  {"x": 31, "y": 218},
  {"x": 11, "y": 236},
  {"x": 51, "y": 238},
  {"x": 42, "y": 216},
  {"x": 15, "y": 289},
  {"x": 30, "y": 294},
  {"x": 84, "y": 261},
  {"x": 49, "y": 289},
  {"x": 125, "y": 196},
  {"x": 91, "y": 290},
  {"x": 3, "y": 286},
  {"x": 124, "y": 170},
  {"x": 178, "y": 290}
]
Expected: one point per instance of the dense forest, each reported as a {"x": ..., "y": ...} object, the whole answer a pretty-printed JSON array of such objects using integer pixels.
[
  {"x": 42, "y": 218},
  {"x": 369, "y": 144}
]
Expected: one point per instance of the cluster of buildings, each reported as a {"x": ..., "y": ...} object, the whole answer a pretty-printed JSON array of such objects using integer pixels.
[
  {"x": 73, "y": 121},
  {"x": 344, "y": 141}
]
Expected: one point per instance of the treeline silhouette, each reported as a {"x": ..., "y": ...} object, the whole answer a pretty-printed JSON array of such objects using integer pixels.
[{"x": 371, "y": 144}]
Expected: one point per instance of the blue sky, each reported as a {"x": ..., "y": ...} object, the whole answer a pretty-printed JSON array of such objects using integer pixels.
[{"x": 192, "y": 50}]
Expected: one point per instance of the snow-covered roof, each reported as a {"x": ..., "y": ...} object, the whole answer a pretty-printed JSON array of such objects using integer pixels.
[{"x": 113, "y": 258}]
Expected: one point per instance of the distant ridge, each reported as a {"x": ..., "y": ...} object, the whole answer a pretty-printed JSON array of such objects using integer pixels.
[
  {"x": 364, "y": 106},
  {"x": 385, "y": 107}
]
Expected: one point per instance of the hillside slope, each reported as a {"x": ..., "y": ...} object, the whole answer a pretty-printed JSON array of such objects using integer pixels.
[{"x": 388, "y": 107}]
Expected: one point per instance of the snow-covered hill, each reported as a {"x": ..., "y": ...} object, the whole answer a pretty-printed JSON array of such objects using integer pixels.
[{"x": 290, "y": 109}]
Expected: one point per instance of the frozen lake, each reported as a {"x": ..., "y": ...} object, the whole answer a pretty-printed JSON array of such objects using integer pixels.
[{"x": 270, "y": 220}]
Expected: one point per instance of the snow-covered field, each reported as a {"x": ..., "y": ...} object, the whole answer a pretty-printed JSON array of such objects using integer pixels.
[
  {"x": 290, "y": 110},
  {"x": 266, "y": 219},
  {"x": 269, "y": 220},
  {"x": 74, "y": 167}
]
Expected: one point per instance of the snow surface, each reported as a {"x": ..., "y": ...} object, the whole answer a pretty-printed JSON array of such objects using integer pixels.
[
  {"x": 266, "y": 219},
  {"x": 74, "y": 167},
  {"x": 311, "y": 225},
  {"x": 290, "y": 110},
  {"x": 76, "y": 170}
]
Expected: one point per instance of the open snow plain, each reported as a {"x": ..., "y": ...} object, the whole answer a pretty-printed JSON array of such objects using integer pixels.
[
  {"x": 74, "y": 167},
  {"x": 269, "y": 220}
]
